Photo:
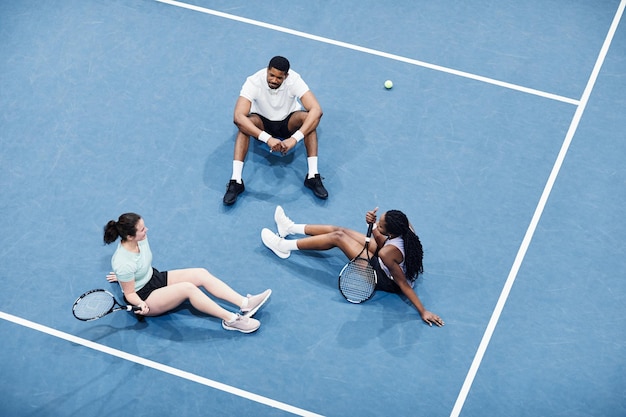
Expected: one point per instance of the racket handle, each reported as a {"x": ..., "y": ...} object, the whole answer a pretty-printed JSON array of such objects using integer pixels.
[
  {"x": 133, "y": 308},
  {"x": 369, "y": 235}
]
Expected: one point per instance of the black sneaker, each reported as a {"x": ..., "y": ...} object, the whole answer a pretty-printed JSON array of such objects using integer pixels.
[
  {"x": 316, "y": 185},
  {"x": 233, "y": 191}
]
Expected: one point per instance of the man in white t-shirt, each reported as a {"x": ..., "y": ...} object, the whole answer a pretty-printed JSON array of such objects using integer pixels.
[{"x": 276, "y": 106}]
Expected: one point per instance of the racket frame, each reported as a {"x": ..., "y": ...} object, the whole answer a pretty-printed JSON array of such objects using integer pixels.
[
  {"x": 365, "y": 250},
  {"x": 116, "y": 306}
]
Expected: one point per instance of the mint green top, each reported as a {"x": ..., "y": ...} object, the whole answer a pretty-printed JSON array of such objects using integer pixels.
[{"x": 130, "y": 266}]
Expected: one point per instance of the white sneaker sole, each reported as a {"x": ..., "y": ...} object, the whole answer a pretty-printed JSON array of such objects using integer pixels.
[{"x": 227, "y": 327}]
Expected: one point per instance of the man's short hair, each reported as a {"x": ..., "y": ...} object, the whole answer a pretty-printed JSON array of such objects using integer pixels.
[{"x": 280, "y": 63}]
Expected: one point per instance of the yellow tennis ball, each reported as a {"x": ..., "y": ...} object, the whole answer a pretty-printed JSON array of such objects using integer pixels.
[{"x": 388, "y": 84}]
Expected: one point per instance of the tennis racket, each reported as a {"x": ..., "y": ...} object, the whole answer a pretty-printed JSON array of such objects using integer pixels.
[
  {"x": 357, "y": 280},
  {"x": 95, "y": 304}
]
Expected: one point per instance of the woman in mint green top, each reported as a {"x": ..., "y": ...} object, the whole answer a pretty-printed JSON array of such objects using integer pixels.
[{"x": 158, "y": 292}]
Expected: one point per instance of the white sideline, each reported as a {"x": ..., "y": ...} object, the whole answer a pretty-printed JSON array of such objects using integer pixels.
[
  {"x": 484, "y": 343},
  {"x": 158, "y": 366},
  {"x": 373, "y": 52}
]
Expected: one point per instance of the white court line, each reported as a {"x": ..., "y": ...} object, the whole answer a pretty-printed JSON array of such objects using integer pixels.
[
  {"x": 158, "y": 366},
  {"x": 469, "y": 379},
  {"x": 373, "y": 52}
]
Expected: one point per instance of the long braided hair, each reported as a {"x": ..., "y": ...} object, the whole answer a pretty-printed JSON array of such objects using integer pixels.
[{"x": 398, "y": 224}]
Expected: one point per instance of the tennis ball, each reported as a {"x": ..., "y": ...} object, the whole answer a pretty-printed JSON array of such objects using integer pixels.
[{"x": 388, "y": 84}]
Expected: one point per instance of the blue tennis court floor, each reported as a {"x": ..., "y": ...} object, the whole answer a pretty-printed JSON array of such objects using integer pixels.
[{"x": 502, "y": 139}]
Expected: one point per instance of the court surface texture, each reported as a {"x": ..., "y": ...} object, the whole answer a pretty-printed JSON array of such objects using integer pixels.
[{"x": 502, "y": 139}]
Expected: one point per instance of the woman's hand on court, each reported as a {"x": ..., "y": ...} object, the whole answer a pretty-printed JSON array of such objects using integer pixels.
[
  {"x": 111, "y": 277},
  {"x": 432, "y": 318}
]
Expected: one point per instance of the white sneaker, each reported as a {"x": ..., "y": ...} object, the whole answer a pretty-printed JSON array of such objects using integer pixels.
[
  {"x": 243, "y": 324},
  {"x": 255, "y": 302},
  {"x": 272, "y": 240},
  {"x": 283, "y": 223}
]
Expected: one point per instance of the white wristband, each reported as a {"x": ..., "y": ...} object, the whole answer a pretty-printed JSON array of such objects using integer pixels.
[
  {"x": 264, "y": 136},
  {"x": 298, "y": 136}
]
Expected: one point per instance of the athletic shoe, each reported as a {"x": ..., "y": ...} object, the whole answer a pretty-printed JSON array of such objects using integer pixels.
[
  {"x": 243, "y": 324},
  {"x": 255, "y": 302},
  {"x": 233, "y": 191},
  {"x": 283, "y": 223},
  {"x": 272, "y": 240},
  {"x": 316, "y": 185}
]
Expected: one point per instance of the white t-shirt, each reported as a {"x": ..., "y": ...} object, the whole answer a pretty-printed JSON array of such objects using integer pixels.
[
  {"x": 273, "y": 104},
  {"x": 130, "y": 266}
]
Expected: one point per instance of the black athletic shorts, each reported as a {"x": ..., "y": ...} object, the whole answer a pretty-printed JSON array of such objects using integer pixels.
[
  {"x": 384, "y": 282},
  {"x": 158, "y": 280},
  {"x": 278, "y": 129}
]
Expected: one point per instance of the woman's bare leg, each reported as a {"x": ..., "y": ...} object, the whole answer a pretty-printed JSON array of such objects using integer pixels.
[
  {"x": 200, "y": 277},
  {"x": 167, "y": 298},
  {"x": 324, "y": 237},
  {"x": 320, "y": 229}
]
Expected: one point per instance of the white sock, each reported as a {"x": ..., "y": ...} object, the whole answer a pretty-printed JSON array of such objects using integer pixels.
[
  {"x": 233, "y": 317},
  {"x": 297, "y": 229},
  {"x": 237, "y": 171},
  {"x": 312, "y": 162},
  {"x": 244, "y": 303},
  {"x": 288, "y": 245}
]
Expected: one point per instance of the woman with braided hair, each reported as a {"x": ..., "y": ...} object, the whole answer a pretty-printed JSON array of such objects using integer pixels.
[{"x": 396, "y": 251}]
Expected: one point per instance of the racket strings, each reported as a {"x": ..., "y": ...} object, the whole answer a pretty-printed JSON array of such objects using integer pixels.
[
  {"x": 93, "y": 305},
  {"x": 358, "y": 281}
]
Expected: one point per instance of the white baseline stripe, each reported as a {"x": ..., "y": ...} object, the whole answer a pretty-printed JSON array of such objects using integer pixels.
[
  {"x": 373, "y": 52},
  {"x": 536, "y": 217},
  {"x": 158, "y": 366}
]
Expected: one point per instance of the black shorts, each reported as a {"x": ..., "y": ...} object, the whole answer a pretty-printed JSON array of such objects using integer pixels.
[
  {"x": 158, "y": 280},
  {"x": 279, "y": 129},
  {"x": 384, "y": 282}
]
